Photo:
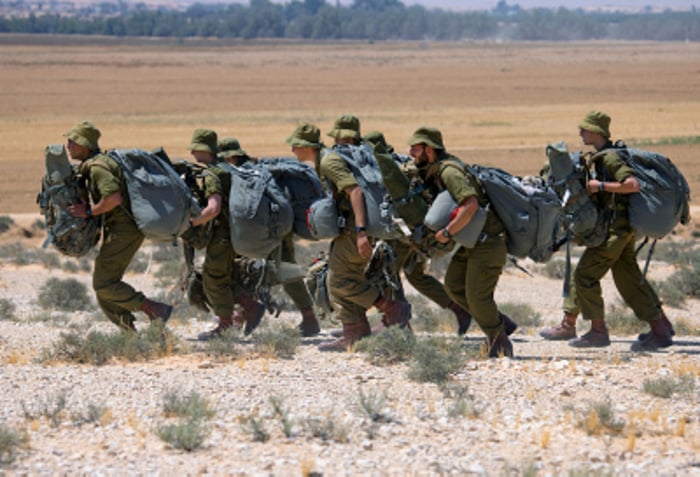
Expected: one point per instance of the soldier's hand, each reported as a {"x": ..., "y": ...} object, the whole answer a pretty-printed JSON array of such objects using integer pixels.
[
  {"x": 364, "y": 247},
  {"x": 78, "y": 210}
]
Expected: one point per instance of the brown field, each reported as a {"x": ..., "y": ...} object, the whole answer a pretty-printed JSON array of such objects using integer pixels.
[{"x": 496, "y": 104}]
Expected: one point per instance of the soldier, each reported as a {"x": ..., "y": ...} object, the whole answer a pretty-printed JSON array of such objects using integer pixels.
[
  {"x": 350, "y": 251},
  {"x": 121, "y": 236},
  {"x": 473, "y": 273},
  {"x": 408, "y": 260},
  {"x": 613, "y": 180},
  {"x": 230, "y": 149},
  {"x": 217, "y": 270}
]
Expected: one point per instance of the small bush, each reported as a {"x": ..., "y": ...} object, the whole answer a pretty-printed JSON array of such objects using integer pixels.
[
  {"x": 521, "y": 313},
  {"x": 669, "y": 294},
  {"x": 64, "y": 295},
  {"x": 224, "y": 344},
  {"x": 621, "y": 320},
  {"x": 7, "y": 309},
  {"x": 600, "y": 418},
  {"x": 279, "y": 340},
  {"x": 93, "y": 413},
  {"x": 51, "y": 408},
  {"x": 463, "y": 404},
  {"x": 428, "y": 317},
  {"x": 178, "y": 404},
  {"x": 434, "y": 360},
  {"x": 390, "y": 346},
  {"x": 687, "y": 280},
  {"x": 188, "y": 435},
  {"x": 5, "y": 223},
  {"x": 665, "y": 387},
  {"x": 255, "y": 427},
  {"x": 282, "y": 413},
  {"x": 18, "y": 254},
  {"x": 327, "y": 428},
  {"x": 555, "y": 268},
  {"x": 10, "y": 441},
  {"x": 98, "y": 348}
]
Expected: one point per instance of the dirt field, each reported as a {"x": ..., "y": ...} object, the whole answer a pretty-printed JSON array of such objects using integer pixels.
[
  {"x": 541, "y": 413},
  {"x": 496, "y": 104}
]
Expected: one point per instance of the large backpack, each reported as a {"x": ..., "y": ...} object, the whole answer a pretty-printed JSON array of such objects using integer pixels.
[
  {"x": 381, "y": 221},
  {"x": 300, "y": 184},
  {"x": 161, "y": 203},
  {"x": 406, "y": 198},
  {"x": 568, "y": 176},
  {"x": 529, "y": 210},
  {"x": 663, "y": 197},
  {"x": 260, "y": 212},
  {"x": 62, "y": 186}
]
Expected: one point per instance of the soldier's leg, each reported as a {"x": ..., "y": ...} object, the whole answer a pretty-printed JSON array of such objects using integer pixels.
[
  {"x": 628, "y": 279},
  {"x": 217, "y": 274},
  {"x": 484, "y": 268},
  {"x": 116, "y": 298},
  {"x": 298, "y": 292},
  {"x": 347, "y": 284}
]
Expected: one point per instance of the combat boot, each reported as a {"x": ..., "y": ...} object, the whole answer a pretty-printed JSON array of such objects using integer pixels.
[
  {"x": 566, "y": 330},
  {"x": 234, "y": 321},
  {"x": 508, "y": 325},
  {"x": 396, "y": 312},
  {"x": 664, "y": 318},
  {"x": 156, "y": 310},
  {"x": 352, "y": 333},
  {"x": 659, "y": 337},
  {"x": 597, "y": 337},
  {"x": 253, "y": 312},
  {"x": 309, "y": 325},
  {"x": 464, "y": 318},
  {"x": 500, "y": 346}
]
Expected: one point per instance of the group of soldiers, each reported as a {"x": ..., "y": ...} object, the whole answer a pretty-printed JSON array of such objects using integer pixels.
[{"x": 467, "y": 289}]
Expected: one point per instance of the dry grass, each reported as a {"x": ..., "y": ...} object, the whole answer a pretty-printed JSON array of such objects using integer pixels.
[{"x": 497, "y": 104}]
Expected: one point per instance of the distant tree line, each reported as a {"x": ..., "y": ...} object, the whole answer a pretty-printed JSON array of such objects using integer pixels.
[{"x": 365, "y": 20}]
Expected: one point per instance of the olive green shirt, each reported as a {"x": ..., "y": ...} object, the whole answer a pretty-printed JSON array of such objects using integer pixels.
[
  {"x": 339, "y": 176},
  {"x": 105, "y": 178},
  {"x": 610, "y": 167},
  {"x": 449, "y": 173},
  {"x": 217, "y": 180}
]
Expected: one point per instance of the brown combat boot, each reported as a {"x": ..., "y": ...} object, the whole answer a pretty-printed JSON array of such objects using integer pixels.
[
  {"x": 464, "y": 318},
  {"x": 396, "y": 312},
  {"x": 664, "y": 318},
  {"x": 253, "y": 312},
  {"x": 500, "y": 346},
  {"x": 309, "y": 325},
  {"x": 596, "y": 338},
  {"x": 566, "y": 330},
  {"x": 156, "y": 310},
  {"x": 233, "y": 321},
  {"x": 659, "y": 337},
  {"x": 352, "y": 333}
]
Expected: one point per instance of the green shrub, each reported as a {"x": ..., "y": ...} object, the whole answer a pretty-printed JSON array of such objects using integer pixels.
[
  {"x": 435, "y": 359},
  {"x": 65, "y": 295},
  {"x": 188, "y": 435},
  {"x": 665, "y": 387},
  {"x": 280, "y": 340},
  {"x": 521, "y": 313},
  {"x": 93, "y": 413},
  {"x": 177, "y": 403},
  {"x": 428, "y": 317},
  {"x": 620, "y": 320},
  {"x": 255, "y": 427},
  {"x": 10, "y": 441},
  {"x": 389, "y": 346},
  {"x": 555, "y": 268},
  {"x": 51, "y": 408},
  {"x": 668, "y": 293},
  {"x": 7, "y": 309},
  {"x": 5, "y": 223},
  {"x": 98, "y": 348}
]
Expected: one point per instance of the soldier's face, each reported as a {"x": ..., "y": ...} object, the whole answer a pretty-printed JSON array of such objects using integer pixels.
[
  {"x": 77, "y": 151},
  {"x": 419, "y": 155},
  {"x": 202, "y": 156}
]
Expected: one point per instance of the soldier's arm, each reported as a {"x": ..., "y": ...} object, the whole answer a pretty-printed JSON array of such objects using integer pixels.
[
  {"x": 465, "y": 212},
  {"x": 210, "y": 212},
  {"x": 628, "y": 186},
  {"x": 357, "y": 200},
  {"x": 105, "y": 204}
]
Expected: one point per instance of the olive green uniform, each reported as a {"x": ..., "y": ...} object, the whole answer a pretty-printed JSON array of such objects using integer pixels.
[
  {"x": 121, "y": 240},
  {"x": 424, "y": 283},
  {"x": 348, "y": 287},
  {"x": 617, "y": 253},
  {"x": 217, "y": 270},
  {"x": 473, "y": 273},
  {"x": 296, "y": 290}
]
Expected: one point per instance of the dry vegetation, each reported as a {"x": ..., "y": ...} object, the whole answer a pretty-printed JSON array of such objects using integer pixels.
[
  {"x": 496, "y": 103},
  {"x": 552, "y": 409}
]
